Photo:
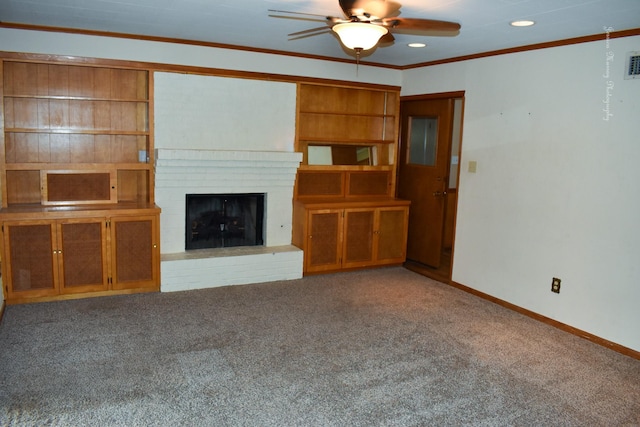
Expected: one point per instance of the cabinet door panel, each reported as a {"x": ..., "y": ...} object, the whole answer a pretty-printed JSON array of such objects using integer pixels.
[
  {"x": 83, "y": 256},
  {"x": 31, "y": 267},
  {"x": 324, "y": 240},
  {"x": 358, "y": 242},
  {"x": 134, "y": 252},
  {"x": 392, "y": 235}
]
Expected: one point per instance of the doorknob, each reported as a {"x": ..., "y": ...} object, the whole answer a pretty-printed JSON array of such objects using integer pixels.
[{"x": 439, "y": 193}]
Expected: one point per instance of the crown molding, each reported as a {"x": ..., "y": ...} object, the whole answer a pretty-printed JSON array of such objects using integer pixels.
[{"x": 536, "y": 46}]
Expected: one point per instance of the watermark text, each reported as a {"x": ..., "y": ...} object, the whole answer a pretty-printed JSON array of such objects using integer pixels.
[{"x": 609, "y": 84}]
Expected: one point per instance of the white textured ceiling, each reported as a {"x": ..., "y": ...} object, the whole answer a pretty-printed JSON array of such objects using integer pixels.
[{"x": 485, "y": 23}]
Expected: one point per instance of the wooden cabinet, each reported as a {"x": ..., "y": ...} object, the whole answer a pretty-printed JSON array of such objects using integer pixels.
[
  {"x": 375, "y": 236},
  {"x": 321, "y": 239},
  {"x": 46, "y": 258},
  {"x": 134, "y": 252},
  {"x": 345, "y": 212},
  {"x": 76, "y": 165},
  {"x": 49, "y": 258},
  {"x": 346, "y": 235},
  {"x": 29, "y": 261}
]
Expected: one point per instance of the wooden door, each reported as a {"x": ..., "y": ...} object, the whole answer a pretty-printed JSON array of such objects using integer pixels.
[
  {"x": 134, "y": 252},
  {"x": 30, "y": 259},
  {"x": 391, "y": 235},
  {"x": 324, "y": 238},
  {"x": 425, "y": 150},
  {"x": 82, "y": 252},
  {"x": 358, "y": 237}
]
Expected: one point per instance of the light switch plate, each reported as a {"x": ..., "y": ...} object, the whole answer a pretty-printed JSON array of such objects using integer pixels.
[{"x": 472, "y": 166}]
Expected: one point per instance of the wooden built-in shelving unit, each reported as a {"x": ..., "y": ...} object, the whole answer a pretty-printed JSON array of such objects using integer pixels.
[
  {"x": 76, "y": 156},
  {"x": 345, "y": 211}
]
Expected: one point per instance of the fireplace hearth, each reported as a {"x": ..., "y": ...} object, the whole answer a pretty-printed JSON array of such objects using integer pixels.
[{"x": 224, "y": 220}]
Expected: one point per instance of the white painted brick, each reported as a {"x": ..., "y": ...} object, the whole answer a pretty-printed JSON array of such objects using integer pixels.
[{"x": 181, "y": 172}]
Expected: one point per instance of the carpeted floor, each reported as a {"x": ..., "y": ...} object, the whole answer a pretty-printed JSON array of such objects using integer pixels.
[{"x": 371, "y": 348}]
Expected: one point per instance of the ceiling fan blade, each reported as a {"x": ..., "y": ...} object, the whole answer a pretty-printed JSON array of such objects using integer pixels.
[
  {"x": 422, "y": 26},
  {"x": 300, "y": 16},
  {"x": 310, "y": 30},
  {"x": 296, "y": 13},
  {"x": 304, "y": 36},
  {"x": 377, "y": 8},
  {"x": 346, "y": 6},
  {"x": 387, "y": 40}
]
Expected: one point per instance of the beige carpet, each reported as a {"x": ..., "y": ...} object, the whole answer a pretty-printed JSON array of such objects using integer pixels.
[{"x": 372, "y": 348}]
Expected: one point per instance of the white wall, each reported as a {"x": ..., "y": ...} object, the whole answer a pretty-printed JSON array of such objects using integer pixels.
[
  {"x": 557, "y": 188},
  {"x": 12, "y": 40},
  {"x": 223, "y": 113}
]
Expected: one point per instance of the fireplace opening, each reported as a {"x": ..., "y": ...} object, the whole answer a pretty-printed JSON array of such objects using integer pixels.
[{"x": 224, "y": 220}]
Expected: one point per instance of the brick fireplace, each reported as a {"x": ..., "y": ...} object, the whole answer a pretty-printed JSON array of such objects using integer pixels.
[{"x": 182, "y": 172}]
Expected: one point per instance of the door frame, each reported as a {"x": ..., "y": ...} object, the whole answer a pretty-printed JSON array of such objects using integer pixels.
[{"x": 424, "y": 270}]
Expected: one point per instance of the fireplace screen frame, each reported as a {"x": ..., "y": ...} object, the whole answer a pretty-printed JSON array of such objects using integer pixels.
[{"x": 222, "y": 228}]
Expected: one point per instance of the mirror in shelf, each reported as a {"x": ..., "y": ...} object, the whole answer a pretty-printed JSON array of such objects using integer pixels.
[{"x": 341, "y": 155}]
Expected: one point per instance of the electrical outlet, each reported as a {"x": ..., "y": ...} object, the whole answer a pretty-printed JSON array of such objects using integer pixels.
[{"x": 555, "y": 285}]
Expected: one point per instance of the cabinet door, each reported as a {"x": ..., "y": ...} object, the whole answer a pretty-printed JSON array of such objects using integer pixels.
[
  {"x": 134, "y": 252},
  {"x": 358, "y": 237},
  {"x": 29, "y": 260},
  {"x": 324, "y": 240},
  {"x": 391, "y": 235},
  {"x": 82, "y": 254}
]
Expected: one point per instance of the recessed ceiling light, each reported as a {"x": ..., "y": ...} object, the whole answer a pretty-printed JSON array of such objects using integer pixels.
[
  {"x": 522, "y": 23},
  {"x": 416, "y": 45}
]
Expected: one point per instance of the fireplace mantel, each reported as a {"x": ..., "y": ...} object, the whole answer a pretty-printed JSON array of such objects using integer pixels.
[{"x": 204, "y": 158}]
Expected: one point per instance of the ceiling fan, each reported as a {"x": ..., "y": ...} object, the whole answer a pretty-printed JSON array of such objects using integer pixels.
[{"x": 368, "y": 22}]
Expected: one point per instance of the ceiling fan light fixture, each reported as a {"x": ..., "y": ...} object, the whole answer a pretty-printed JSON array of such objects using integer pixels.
[
  {"x": 522, "y": 23},
  {"x": 359, "y": 35}
]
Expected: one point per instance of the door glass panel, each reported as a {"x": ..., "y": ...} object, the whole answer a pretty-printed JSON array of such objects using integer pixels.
[{"x": 423, "y": 140}]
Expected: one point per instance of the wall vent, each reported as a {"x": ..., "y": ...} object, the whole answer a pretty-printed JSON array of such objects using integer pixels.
[{"x": 632, "y": 66}]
